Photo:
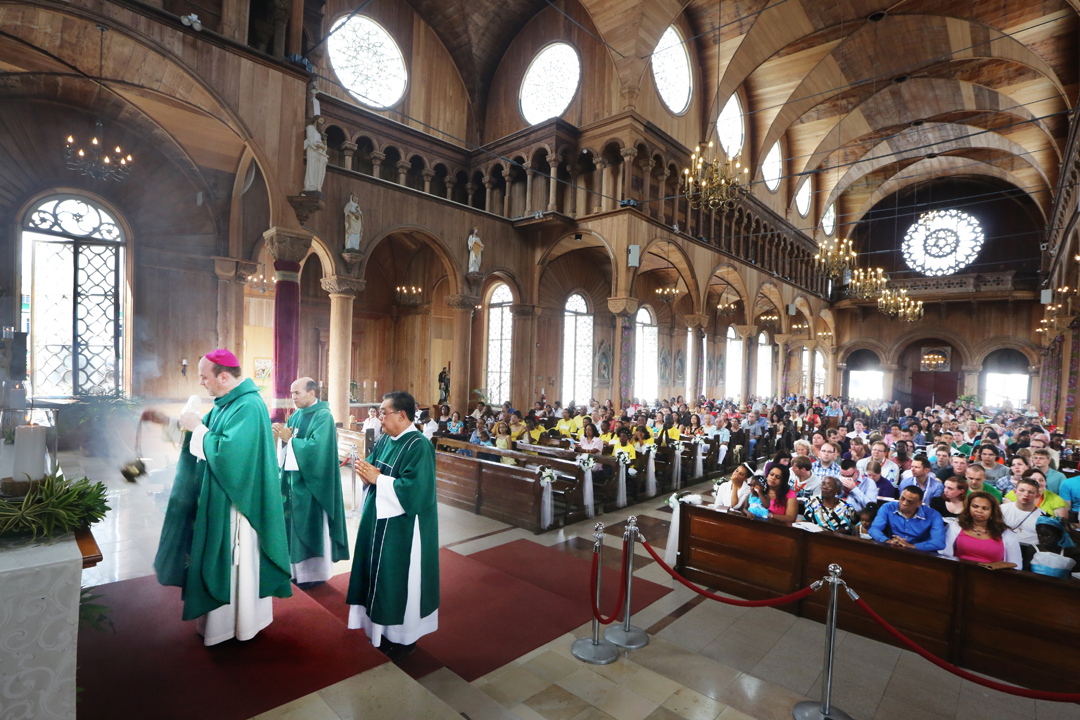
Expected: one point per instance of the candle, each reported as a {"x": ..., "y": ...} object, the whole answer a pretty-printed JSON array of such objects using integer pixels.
[{"x": 29, "y": 453}]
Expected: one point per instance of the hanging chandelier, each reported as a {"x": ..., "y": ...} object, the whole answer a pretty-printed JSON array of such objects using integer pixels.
[
  {"x": 667, "y": 294},
  {"x": 835, "y": 258},
  {"x": 712, "y": 183},
  {"x": 95, "y": 159},
  {"x": 891, "y": 300},
  {"x": 910, "y": 310},
  {"x": 866, "y": 284},
  {"x": 726, "y": 309},
  {"x": 408, "y": 295}
]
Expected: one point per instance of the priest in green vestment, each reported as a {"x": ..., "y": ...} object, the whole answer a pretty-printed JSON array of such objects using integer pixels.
[
  {"x": 223, "y": 541},
  {"x": 311, "y": 485},
  {"x": 394, "y": 587}
]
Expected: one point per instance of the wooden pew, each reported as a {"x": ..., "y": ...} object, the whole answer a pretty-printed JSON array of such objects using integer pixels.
[
  {"x": 1010, "y": 624},
  {"x": 508, "y": 493}
]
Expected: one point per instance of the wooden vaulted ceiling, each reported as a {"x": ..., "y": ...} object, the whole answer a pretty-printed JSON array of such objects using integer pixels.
[{"x": 988, "y": 83}]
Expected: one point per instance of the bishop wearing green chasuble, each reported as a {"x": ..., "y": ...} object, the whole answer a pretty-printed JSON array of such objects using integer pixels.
[
  {"x": 394, "y": 587},
  {"x": 223, "y": 541},
  {"x": 311, "y": 484}
]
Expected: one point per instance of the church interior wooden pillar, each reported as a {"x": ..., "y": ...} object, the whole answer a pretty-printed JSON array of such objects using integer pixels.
[
  {"x": 463, "y": 307},
  {"x": 343, "y": 291},
  {"x": 288, "y": 248},
  {"x": 693, "y": 370},
  {"x": 522, "y": 389},
  {"x": 623, "y": 308}
]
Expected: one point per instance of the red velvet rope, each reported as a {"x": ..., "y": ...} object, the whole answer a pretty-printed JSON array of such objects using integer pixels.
[
  {"x": 793, "y": 597},
  {"x": 1008, "y": 689},
  {"x": 622, "y": 589}
]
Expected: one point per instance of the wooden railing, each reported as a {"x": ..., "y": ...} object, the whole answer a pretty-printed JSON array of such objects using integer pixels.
[{"x": 1010, "y": 624}]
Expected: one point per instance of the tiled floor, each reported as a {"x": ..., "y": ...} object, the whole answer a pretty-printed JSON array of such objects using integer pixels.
[{"x": 705, "y": 660}]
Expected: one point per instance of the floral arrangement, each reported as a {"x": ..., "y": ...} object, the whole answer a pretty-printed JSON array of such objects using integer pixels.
[
  {"x": 622, "y": 456},
  {"x": 697, "y": 440},
  {"x": 678, "y": 446},
  {"x": 586, "y": 462},
  {"x": 673, "y": 501},
  {"x": 547, "y": 476}
]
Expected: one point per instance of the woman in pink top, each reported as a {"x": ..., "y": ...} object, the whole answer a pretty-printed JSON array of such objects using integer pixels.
[
  {"x": 981, "y": 535},
  {"x": 590, "y": 442},
  {"x": 777, "y": 495}
]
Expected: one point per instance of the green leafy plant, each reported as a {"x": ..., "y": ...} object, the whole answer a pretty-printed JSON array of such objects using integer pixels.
[
  {"x": 481, "y": 395},
  {"x": 55, "y": 505},
  {"x": 94, "y": 615},
  {"x": 972, "y": 398}
]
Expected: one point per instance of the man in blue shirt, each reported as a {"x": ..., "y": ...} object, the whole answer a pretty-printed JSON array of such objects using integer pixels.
[
  {"x": 1069, "y": 490},
  {"x": 907, "y": 523},
  {"x": 755, "y": 427},
  {"x": 860, "y": 490},
  {"x": 923, "y": 478}
]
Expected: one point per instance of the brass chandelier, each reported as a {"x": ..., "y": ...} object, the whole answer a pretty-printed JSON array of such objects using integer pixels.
[
  {"x": 896, "y": 303},
  {"x": 712, "y": 183},
  {"x": 866, "y": 284},
  {"x": 835, "y": 258}
]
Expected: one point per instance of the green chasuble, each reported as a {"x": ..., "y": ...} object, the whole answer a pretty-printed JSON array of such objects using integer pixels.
[
  {"x": 195, "y": 551},
  {"x": 316, "y": 487},
  {"x": 399, "y": 511}
]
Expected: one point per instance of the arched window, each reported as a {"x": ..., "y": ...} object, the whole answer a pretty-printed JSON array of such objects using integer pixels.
[
  {"x": 764, "y": 366},
  {"x": 73, "y": 278},
  {"x": 828, "y": 220},
  {"x": 671, "y": 71},
  {"x": 819, "y": 373},
  {"x": 646, "y": 356},
  {"x": 550, "y": 83},
  {"x": 802, "y": 198},
  {"x": 577, "y": 380},
  {"x": 773, "y": 168},
  {"x": 499, "y": 344},
  {"x": 368, "y": 61},
  {"x": 689, "y": 391},
  {"x": 729, "y": 127},
  {"x": 806, "y": 372},
  {"x": 733, "y": 366}
]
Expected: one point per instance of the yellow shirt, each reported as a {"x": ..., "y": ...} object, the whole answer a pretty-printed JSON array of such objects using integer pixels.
[
  {"x": 674, "y": 433},
  {"x": 628, "y": 448},
  {"x": 1049, "y": 502},
  {"x": 609, "y": 438},
  {"x": 579, "y": 422},
  {"x": 647, "y": 441},
  {"x": 535, "y": 435},
  {"x": 565, "y": 428},
  {"x": 515, "y": 434}
]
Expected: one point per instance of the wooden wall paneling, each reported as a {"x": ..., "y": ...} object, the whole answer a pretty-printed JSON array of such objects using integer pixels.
[{"x": 442, "y": 338}]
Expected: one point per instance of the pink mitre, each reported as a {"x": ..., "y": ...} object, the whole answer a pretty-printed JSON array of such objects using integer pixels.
[{"x": 223, "y": 357}]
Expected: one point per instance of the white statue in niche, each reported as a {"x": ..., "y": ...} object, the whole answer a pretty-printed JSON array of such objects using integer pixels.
[
  {"x": 354, "y": 224},
  {"x": 317, "y": 157},
  {"x": 475, "y": 249}
]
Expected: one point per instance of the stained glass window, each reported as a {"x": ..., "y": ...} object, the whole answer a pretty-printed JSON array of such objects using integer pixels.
[
  {"x": 550, "y": 83},
  {"x": 828, "y": 220},
  {"x": 73, "y": 267},
  {"x": 577, "y": 379},
  {"x": 773, "y": 168},
  {"x": 733, "y": 366},
  {"x": 941, "y": 242},
  {"x": 764, "y": 367},
  {"x": 367, "y": 61},
  {"x": 646, "y": 356},
  {"x": 729, "y": 126},
  {"x": 671, "y": 71},
  {"x": 802, "y": 198},
  {"x": 500, "y": 342}
]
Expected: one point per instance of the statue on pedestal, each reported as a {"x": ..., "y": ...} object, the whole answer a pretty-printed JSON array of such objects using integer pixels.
[
  {"x": 475, "y": 249},
  {"x": 354, "y": 224},
  {"x": 317, "y": 157},
  {"x": 444, "y": 387}
]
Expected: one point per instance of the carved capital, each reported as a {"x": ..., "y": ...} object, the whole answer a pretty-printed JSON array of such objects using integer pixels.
[
  {"x": 306, "y": 205},
  {"x": 462, "y": 302},
  {"x": 523, "y": 310},
  {"x": 245, "y": 270},
  {"x": 488, "y": 181},
  {"x": 377, "y": 158},
  {"x": 629, "y": 152},
  {"x": 782, "y": 339},
  {"x": 601, "y": 162},
  {"x": 647, "y": 165},
  {"x": 471, "y": 188},
  {"x": 404, "y": 165},
  {"x": 623, "y": 306},
  {"x": 352, "y": 260},
  {"x": 629, "y": 94},
  {"x": 554, "y": 160},
  {"x": 342, "y": 285},
  {"x": 890, "y": 368},
  {"x": 287, "y": 245},
  {"x": 348, "y": 148},
  {"x": 224, "y": 268},
  {"x": 451, "y": 181},
  {"x": 745, "y": 331},
  {"x": 528, "y": 166},
  {"x": 427, "y": 174},
  {"x": 697, "y": 321}
]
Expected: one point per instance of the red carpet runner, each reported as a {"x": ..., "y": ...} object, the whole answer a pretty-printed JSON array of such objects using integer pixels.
[{"x": 156, "y": 666}]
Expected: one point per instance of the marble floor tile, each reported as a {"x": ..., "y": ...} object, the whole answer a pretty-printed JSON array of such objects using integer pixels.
[
  {"x": 687, "y": 668},
  {"x": 385, "y": 693},
  {"x": 463, "y": 697},
  {"x": 622, "y": 703},
  {"x": 917, "y": 694},
  {"x": 737, "y": 650},
  {"x": 893, "y": 708},
  {"x": 662, "y": 713},
  {"x": 309, "y": 707},
  {"x": 1045, "y": 710},
  {"x": 592, "y": 713},
  {"x": 552, "y": 665},
  {"x": 651, "y": 686},
  {"x": 515, "y": 685},
  {"x": 760, "y": 699},
  {"x": 555, "y": 703},
  {"x": 692, "y": 705},
  {"x": 787, "y": 672},
  {"x": 859, "y": 702},
  {"x": 586, "y": 684},
  {"x": 690, "y": 634},
  {"x": 620, "y": 670}
]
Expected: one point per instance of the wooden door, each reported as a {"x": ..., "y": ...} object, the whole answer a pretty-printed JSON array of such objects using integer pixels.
[{"x": 930, "y": 388}]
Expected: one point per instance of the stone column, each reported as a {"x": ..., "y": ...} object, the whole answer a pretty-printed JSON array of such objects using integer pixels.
[
  {"x": 529, "y": 173},
  {"x": 971, "y": 379},
  {"x": 887, "y": 383},
  {"x": 1035, "y": 371},
  {"x": 451, "y": 183},
  {"x": 403, "y": 168},
  {"x": 623, "y": 308},
  {"x": 225, "y": 269},
  {"x": 602, "y": 168},
  {"x": 460, "y": 392},
  {"x": 489, "y": 183},
  {"x": 748, "y": 334},
  {"x": 348, "y": 149},
  {"x": 376, "y": 164},
  {"x": 342, "y": 291},
  {"x": 831, "y": 384},
  {"x": 510, "y": 175},
  {"x": 697, "y": 323},
  {"x": 428, "y": 175},
  {"x": 554, "y": 161},
  {"x": 627, "y": 175},
  {"x": 471, "y": 189},
  {"x": 288, "y": 248},
  {"x": 646, "y": 170}
]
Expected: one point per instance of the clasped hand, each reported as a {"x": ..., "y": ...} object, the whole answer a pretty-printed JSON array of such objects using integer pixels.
[
  {"x": 367, "y": 472},
  {"x": 282, "y": 432}
]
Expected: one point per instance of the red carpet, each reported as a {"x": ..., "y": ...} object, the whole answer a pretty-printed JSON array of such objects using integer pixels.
[
  {"x": 156, "y": 666},
  {"x": 565, "y": 575}
]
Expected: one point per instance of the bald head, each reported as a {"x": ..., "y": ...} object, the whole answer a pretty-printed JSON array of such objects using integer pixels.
[{"x": 303, "y": 392}]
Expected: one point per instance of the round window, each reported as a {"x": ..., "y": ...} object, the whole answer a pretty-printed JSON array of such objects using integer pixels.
[
  {"x": 367, "y": 61},
  {"x": 941, "y": 242},
  {"x": 671, "y": 71},
  {"x": 550, "y": 83}
]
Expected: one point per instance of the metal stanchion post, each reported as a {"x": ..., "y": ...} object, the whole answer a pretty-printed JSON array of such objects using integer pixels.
[
  {"x": 810, "y": 710},
  {"x": 594, "y": 650},
  {"x": 627, "y": 636},
  {"x": 353, "y": 456}
]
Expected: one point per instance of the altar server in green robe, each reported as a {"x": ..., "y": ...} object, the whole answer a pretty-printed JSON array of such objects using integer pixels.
[
  {"x": 394, "y": 587},
  {"x": 223, "y": 540},
  {"x": 311, "y": 484}
]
